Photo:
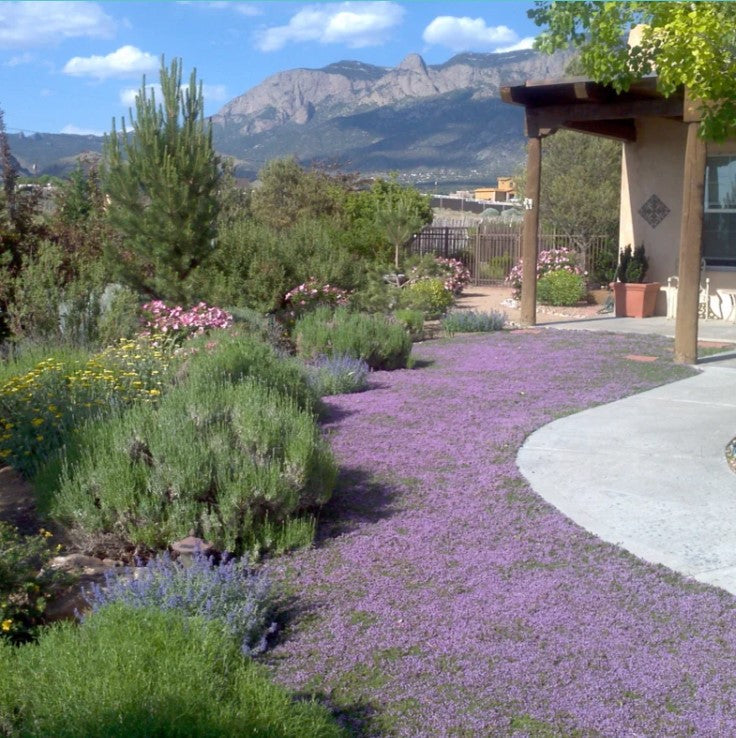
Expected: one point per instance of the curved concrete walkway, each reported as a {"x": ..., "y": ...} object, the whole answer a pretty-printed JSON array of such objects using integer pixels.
[{"x": 648, "y": 473}]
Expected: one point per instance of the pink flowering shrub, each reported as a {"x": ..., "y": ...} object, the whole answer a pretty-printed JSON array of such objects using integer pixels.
[
  {"x": 179, "y": 323},
  {"x": 453, "y": 273},
  {"x": 551, "y": 260},
  {"x": 310, "y": 294}
]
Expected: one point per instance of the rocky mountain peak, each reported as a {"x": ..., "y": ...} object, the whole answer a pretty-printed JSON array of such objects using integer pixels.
[{"x": 413, "y": 63}]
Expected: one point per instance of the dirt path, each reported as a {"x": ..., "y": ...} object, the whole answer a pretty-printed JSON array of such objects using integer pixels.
[{"x": 496, "y": 298}]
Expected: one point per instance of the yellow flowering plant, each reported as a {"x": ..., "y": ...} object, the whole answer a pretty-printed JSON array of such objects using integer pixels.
[
  {"x": 26, "y": 583},
  {"x": 39, "y": 408}
]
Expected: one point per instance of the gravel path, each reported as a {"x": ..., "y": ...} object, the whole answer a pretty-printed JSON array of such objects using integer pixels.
[{"x": 444, "y": 598}]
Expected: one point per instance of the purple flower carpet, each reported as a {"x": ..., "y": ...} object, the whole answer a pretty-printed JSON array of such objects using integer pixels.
[{"x": 445, "y": 598}]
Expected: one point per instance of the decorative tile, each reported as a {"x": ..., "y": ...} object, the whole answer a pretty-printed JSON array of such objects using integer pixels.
[
  {"x": 640, "y": 357},
  {"x": 654, "y": 211}
]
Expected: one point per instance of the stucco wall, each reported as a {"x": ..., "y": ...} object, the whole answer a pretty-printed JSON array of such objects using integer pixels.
[{"x": 653, "y": 165}]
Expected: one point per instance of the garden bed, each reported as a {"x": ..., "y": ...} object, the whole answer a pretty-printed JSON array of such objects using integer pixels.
[{"x": 446, "y": 598}]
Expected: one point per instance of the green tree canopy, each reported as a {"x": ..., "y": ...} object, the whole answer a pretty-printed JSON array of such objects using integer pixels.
[
  {"x": 161, "y": 180},
  {"x": 684, "y": 43},
  {"x": 581, "y": 183},
  {"x": 288, "y": 192}
]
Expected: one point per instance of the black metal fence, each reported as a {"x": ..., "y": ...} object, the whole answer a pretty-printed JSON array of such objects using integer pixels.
[{"x": 490, "y": 252}]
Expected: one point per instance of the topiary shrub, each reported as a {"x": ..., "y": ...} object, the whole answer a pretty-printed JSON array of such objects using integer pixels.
[
  {"x": 632, "y": 266},
  {"x": 429, "y": 296},
  {"x": 229, "y": 461},
  {"x": 379, "y": 341},
  {"x": 132, "y": 673},
  {"x": 561, "y": 288}
]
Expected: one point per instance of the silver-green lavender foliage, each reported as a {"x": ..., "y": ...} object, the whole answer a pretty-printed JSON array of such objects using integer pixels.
[
  {"x": 337, "y": 375},
  {"x": 229, "y": 593},
  {"x": 471, "y": 321}
]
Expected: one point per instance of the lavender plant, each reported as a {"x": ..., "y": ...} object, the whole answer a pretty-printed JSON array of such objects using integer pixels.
[
  {"x": 337, "y": 375},
  {"x": 472, "y": 321},
  {"x": 229, "y": 593}
]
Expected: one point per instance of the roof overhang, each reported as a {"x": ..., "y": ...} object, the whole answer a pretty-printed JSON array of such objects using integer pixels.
[{"x": 580, "y": 104}]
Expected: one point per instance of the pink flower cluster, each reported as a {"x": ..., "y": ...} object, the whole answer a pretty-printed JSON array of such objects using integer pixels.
[
  {"x": 551, "y": 260},
  {"x": 454, "y": 274},
  {"x": 458, "y": 276},
  {"x": 160, "y": 318},
  {"x": 313, "y": 293}
]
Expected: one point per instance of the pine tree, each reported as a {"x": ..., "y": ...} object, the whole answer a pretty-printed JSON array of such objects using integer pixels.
[{"x": 161, "y": 182}]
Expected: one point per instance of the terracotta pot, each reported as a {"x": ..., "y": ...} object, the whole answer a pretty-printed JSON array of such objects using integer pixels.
[{"x": 635, "y": 300}]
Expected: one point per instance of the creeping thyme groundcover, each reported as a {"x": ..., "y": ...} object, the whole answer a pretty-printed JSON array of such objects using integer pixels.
[{"x": 446, "y": 598}]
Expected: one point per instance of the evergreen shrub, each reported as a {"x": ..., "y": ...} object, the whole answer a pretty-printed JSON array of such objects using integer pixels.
[
  {"x": 413, "y": 322},
  {"x": 470, "y": 321},
  {"x": 134, "y": 673},
  {"x": 561, "y": 287},
  {"x": 376, "y": 339},
  {"x": 337, "y": 375},
  {"x": 237, "y": 463},
  {"x": 231, "y": 357},
  {"x": 429, "y": 296}
]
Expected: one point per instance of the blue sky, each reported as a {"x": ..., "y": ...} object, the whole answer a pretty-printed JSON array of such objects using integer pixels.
[{"x": 73, "y": 66}]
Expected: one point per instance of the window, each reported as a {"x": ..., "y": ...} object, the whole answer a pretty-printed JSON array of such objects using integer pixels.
[{"x": 719, "y": 218}]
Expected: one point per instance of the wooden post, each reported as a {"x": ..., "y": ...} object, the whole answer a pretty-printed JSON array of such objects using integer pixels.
[
  {"x": 530, "y": 237},
  {"x": 691, "y": 239}
]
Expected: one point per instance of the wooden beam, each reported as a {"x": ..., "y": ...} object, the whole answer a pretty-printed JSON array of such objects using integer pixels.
[
  {"x": 550, "y": 116},
  {"x": 691, "y": 240},
  {"x": 692, "y": 110},
  {"x": 619, "y": 130},
  {"x": 530, "y": 236}
]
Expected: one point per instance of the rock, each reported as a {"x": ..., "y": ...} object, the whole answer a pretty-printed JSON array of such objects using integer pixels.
[
  {"x": 87, "y": 571},
  {"x": 79, "y": 564}
]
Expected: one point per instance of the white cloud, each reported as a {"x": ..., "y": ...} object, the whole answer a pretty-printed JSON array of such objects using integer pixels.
[
  {"x": 355, "y": 24},
  {"x": 525, "y": 43},
  {"x": 125, "y": 62},
  {"x": 25, "y": 24},
  {"x": 16, "y": 61},
  {"x": 212, "y": 93},
  {"x": 77, "y": 131},
  {"x": 247, "y": 9},
  {"x": 467, "y": 34}
]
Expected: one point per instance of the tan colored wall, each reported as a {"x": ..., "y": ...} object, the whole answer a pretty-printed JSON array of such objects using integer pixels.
[{"x": 653, "y": 164}]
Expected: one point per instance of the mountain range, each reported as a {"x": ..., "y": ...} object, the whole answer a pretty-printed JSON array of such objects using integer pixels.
[{"x": 432, "y": 123}]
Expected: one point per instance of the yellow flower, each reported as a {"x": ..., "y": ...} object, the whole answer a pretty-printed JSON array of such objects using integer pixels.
[
  {"x": 154, "y": 392},
  {"x": 37, "y": 422},
  {"x": 6, "y": 625},
  {"x": 45, "y": 533}
]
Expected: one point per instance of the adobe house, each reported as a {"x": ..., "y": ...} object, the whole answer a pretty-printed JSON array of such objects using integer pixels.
[
  {"x": 503, "y": 192},
  {"x": 678, "y": 192}
]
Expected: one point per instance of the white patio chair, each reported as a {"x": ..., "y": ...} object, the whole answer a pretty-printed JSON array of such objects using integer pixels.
[{"x": 704, "y": 309}]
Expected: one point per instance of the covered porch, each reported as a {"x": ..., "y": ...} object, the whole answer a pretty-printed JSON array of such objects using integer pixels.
[{"x": 663, "y": 186}]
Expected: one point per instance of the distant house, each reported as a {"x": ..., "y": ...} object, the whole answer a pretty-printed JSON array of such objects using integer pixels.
[
  {"x": 678, "y": 193},
  {"x": 504, "y": 191}
]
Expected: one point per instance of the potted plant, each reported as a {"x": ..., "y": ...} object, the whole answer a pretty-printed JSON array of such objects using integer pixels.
[{"x": 633, "y": 297}]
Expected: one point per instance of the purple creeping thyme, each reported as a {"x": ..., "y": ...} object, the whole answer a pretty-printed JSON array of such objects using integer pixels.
[{"x": 445, "y": 598}]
